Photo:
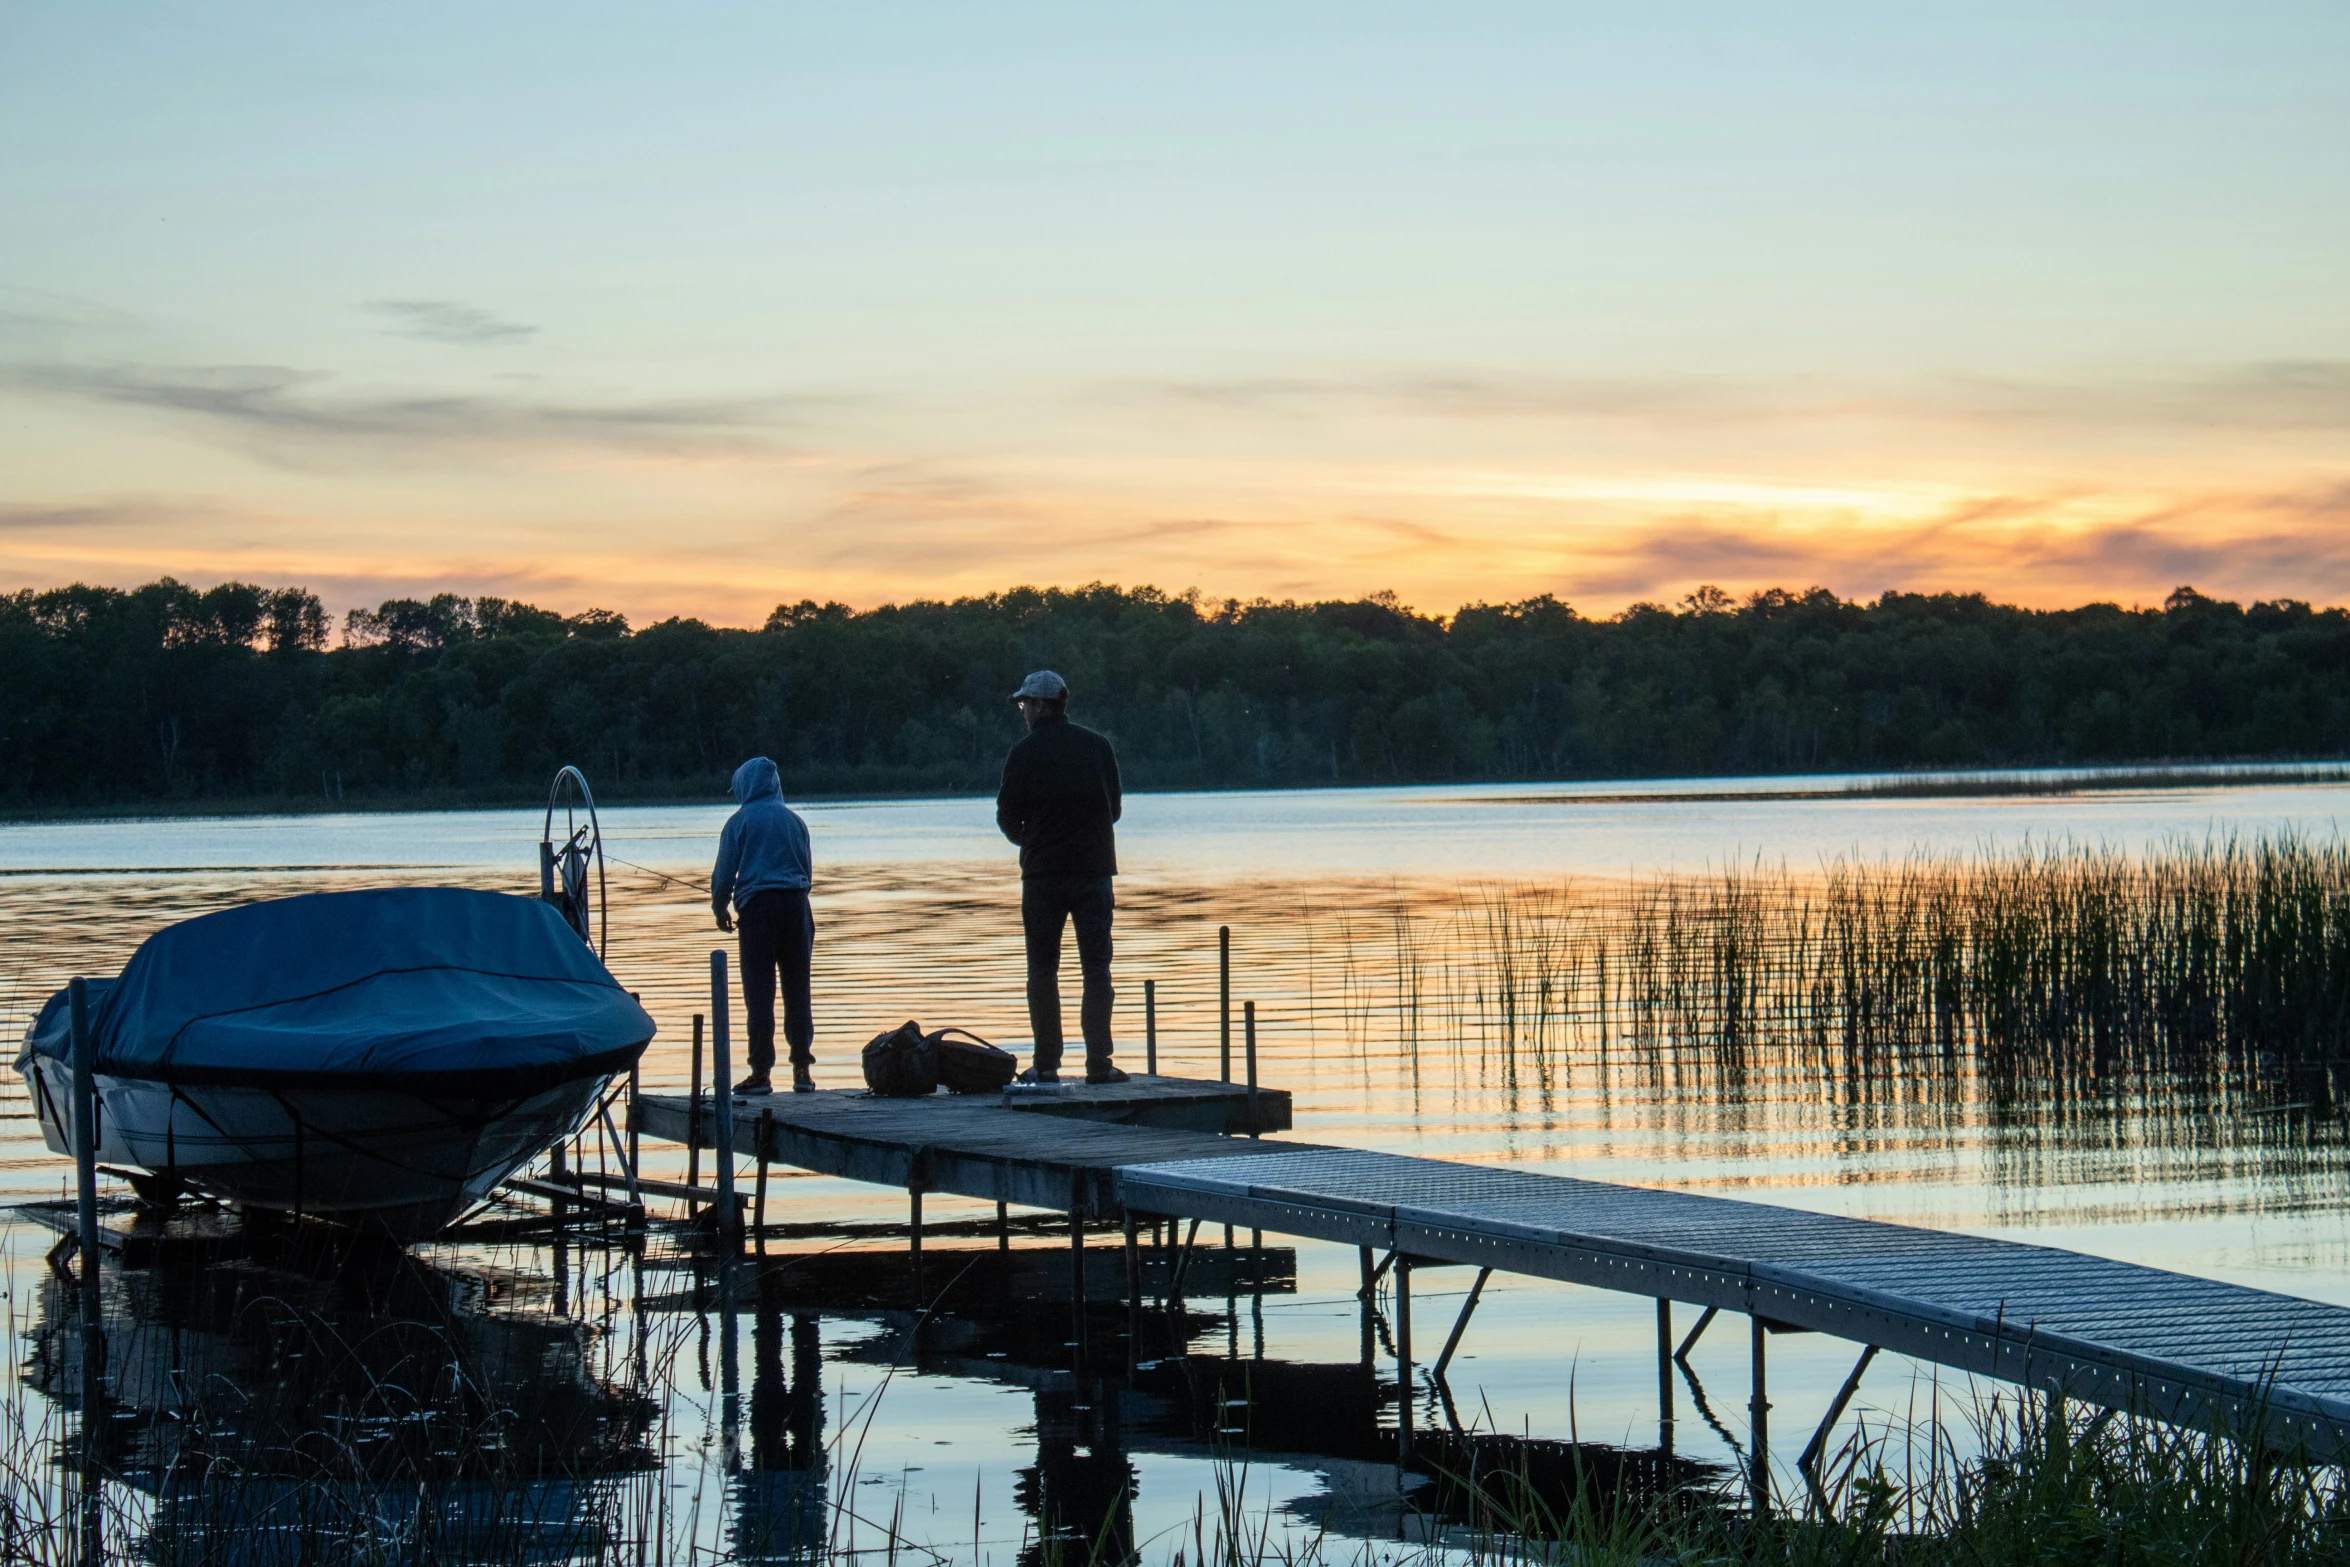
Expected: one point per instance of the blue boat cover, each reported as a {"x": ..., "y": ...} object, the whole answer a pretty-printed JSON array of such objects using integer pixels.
[{"x": 382, "y": 984}]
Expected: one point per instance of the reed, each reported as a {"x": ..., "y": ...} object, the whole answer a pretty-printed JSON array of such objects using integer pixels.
[{"x": 2227, "y": 961}]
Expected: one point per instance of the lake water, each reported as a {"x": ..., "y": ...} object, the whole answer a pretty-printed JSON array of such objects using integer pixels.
[{"x": 973, "y": 1436}]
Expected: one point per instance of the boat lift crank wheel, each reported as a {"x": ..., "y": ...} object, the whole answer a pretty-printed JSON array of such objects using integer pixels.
[{"x": 565, "y": 863}]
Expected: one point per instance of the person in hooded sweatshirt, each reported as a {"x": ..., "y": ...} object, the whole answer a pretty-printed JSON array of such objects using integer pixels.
[{"x": 763, "y": 868}]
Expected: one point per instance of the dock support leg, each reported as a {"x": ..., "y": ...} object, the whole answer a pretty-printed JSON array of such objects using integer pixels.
[
  {"x": 1704, "y": 1321},
  {"x": 1664, "y": 1376},
  {"x": 1133, "y": 1288},
  {"x": 1461, "y": 1325},
  {"x": 1403, "y": 1362},
  {"x": 1758, "y": 1416},
  {"x": 1363, "y": 1310},
  {"x": 759, "y": 1196},
  {"x": 1809, "y": 1463},
  {"x": 1372, "y": 1276},
  {"x": 1150, "y": 1027},
  {"x": 693, "y": 1114},
  {"x": 914, "y": 1237},
  {"x": 1182, "y": 1266},
  {"x": 1077, "y": 1276},
  {"x": 635, "y": 1146},
  {"x": 1003, "y": 1226}
]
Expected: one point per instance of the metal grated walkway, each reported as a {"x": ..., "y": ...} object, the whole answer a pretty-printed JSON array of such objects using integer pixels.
[{"x": 2112, "y": 1333}]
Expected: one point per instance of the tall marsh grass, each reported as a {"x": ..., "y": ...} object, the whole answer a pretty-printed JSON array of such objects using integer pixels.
[{"x": 2050, "y": 967}]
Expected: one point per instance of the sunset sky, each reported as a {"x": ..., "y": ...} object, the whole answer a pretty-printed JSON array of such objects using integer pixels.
[{"x": 691, "y": 309}]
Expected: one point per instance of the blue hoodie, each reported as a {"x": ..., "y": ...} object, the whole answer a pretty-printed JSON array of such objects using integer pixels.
[{"x": 765, "y": 844}]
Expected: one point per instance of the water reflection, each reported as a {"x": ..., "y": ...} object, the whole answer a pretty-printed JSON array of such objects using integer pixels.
[{"x": 282, "y": 1392}]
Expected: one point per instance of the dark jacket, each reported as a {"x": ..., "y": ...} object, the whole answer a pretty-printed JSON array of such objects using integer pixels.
[{"x": 1059, "y": 796}]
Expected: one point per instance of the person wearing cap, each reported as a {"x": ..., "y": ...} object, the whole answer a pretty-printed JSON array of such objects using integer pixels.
[
  {"x": 764, "y": 869},
  {"x": 1058, "y": 800}
]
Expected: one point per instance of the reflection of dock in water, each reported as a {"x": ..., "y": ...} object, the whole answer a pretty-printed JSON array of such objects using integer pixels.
[
  {"x": 277, "y": 1387},
  {"x": 1193, "y": 1382}
]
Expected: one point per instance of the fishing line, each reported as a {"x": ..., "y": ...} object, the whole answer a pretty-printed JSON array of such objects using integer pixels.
[{"x": 649, "y": 871}]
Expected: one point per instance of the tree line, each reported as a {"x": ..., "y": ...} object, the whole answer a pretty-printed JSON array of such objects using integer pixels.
[{"x": 167, "y": 692}]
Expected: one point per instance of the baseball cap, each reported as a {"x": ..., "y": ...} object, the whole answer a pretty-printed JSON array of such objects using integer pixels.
[{"x": 1044, "y": 685}]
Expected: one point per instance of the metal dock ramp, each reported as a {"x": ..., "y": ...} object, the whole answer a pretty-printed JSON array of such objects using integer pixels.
[{"x": 2126, "y": 1337}]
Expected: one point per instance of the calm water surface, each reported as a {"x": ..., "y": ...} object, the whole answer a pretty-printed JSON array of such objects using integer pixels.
[{"x": 980, "y": 1429}]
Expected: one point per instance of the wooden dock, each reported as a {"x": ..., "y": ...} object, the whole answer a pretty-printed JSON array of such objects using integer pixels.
[
  {"x": 1058, "y": 1151},
  {"x": 2135, "y": 1339}
]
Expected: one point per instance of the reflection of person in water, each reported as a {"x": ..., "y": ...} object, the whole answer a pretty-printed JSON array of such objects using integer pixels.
[
  {"x": 1081, "y": 1490},
  {"x": 780, "y": 1497}
]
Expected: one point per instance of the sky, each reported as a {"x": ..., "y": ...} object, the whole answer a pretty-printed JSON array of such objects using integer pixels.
[{"x": 695, "y": 309}]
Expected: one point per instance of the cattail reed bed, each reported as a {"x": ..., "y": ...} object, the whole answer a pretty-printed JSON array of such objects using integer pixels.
[{"x": 2046, "y": 970}]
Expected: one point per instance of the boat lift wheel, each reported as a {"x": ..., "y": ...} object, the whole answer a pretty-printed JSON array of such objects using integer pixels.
[{"x": 571, "y": 869}]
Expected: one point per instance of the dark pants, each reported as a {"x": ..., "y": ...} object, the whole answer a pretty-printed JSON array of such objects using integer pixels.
[
  {"x": 1046, "y": 903},
  {"x": 778, "y": 935}
]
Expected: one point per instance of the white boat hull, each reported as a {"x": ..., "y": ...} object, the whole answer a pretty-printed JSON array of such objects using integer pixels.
[{"x": 409, "y": 1162}]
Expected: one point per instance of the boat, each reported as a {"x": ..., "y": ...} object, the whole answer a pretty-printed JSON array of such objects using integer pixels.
[{"x": 386, "y": 1055}]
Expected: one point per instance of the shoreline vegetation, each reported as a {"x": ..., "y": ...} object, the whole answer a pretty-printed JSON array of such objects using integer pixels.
[
  {"x": 225, "y": 698},
  {"x": 2056, "y": 782}
]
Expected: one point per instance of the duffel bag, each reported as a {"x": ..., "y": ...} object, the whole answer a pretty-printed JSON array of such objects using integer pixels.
[
  {"x": 970, "y": 1065},
  {"x": 899, "y": 1064}
]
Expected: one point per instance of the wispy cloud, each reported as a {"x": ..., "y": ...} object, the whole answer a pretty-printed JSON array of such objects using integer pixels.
[
  {"x": 2285, "y": 394},
  {"x": 301, "y": 419},
  {"x": 450, "y": 321}
]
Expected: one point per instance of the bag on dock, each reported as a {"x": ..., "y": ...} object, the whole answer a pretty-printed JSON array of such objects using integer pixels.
[
  {"x": 970, "y": 1065},
  {"x": 900, "y": 1065}
]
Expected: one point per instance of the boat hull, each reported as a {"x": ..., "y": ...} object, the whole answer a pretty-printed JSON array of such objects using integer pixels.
[{"x": 409, "y": 1162}]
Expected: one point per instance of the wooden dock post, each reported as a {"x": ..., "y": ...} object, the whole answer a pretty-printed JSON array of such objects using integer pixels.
[
  {"x": 1758, "y": 1415},
  {"x": 85, "y": 1170},
  {"x": 1150, "y": 1027},
  {"x": 1003, "y": 1226},
  {"x": 1224, "y": 998},
  {"x": 693, "y": 1101},
  {"x": 730, "y": 1222}
]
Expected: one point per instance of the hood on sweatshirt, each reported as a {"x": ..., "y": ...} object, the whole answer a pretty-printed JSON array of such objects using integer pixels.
[{"x": 757, "y": 779}]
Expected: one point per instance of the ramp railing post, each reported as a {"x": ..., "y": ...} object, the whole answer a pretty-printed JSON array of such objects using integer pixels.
[
  {"x": 1248, "y": 1014},
  {"x": 722, "y": 1097},
  {"x": 1758, "y": 1415},
  {"x": 85, "y": 1169},
  {"x": 1150, "y": 1027},
  {"x": 1224, "y": 999}
]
